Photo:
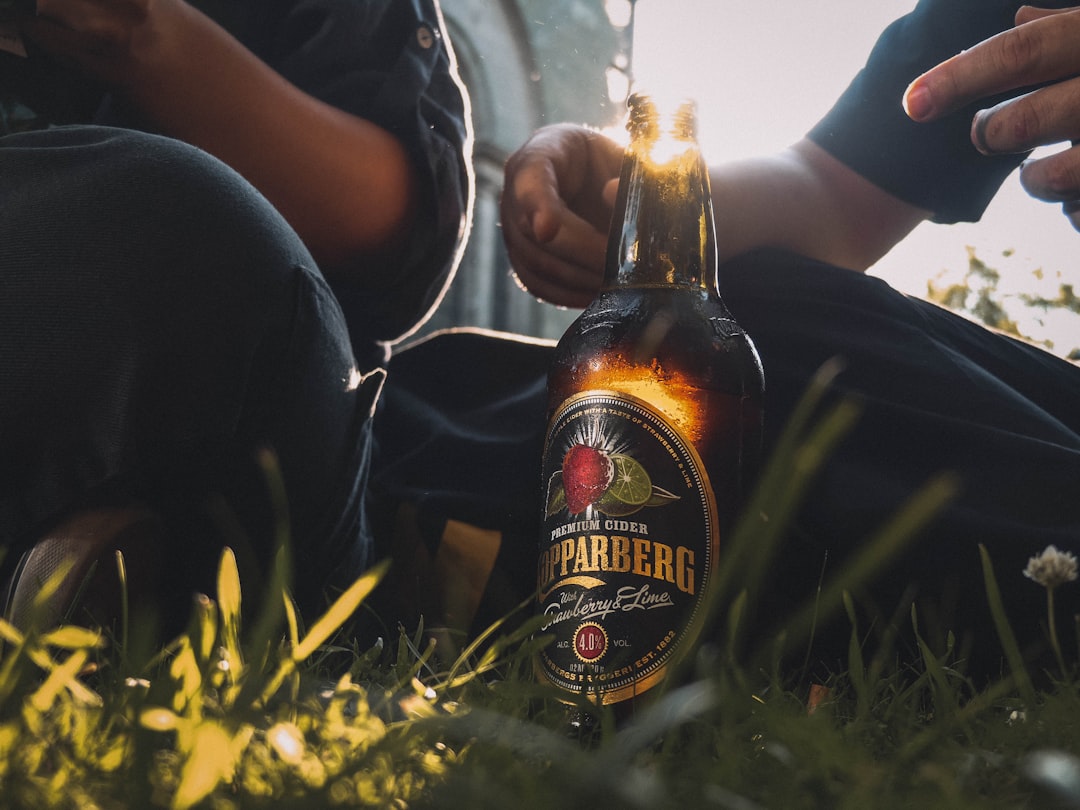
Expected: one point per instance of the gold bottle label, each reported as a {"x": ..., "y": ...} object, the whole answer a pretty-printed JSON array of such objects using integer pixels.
[{"x": 630, "y": 539}]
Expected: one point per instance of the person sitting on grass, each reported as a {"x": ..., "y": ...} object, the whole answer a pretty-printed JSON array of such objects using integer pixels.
[
  {"x": 165, "y": 319},
  {"x": 928, "y": 130}
]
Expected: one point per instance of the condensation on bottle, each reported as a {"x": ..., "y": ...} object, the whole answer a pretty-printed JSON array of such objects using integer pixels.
[{"x": 654, "y": 432}]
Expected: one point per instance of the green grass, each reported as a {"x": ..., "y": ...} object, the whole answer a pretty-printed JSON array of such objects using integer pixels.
[{"x": 261, "y": 712}]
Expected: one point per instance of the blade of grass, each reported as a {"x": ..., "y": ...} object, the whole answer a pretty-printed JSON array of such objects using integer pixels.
[
  {"x": 734, "y": 622},
  {"x": 340, "y": 611},
  {"x": 230, "y": 599},
  {"x": 208, "y": 762},
  {"x": 1004, "y": 630},
  {"x": 29, "y": 647},
  {"x": 800, "y": 452},
  {"x": 337, "y": 614},
  {"x": 856, "y": 666},
  {"x": 672, "y": 710},
  {"x": 488, "y": 661},
  {"x": 874, "y": 556},
  {"x": 125, "y": 607},
  {"x": 266, "y": 632},
  {"x": 946, "y": 703},
  {"x": 60, "y": 678},
  {"x": 757, "y": 536}
]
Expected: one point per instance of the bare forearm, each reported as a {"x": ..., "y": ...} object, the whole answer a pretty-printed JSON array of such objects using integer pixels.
[
  {"x": 343, "y": 183},
  {"x": 805, "y": 201},
  {"x": 560, "y": 189}
]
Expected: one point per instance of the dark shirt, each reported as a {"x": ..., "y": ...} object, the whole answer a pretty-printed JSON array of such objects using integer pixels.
[
  {"x": 935, "y": 392},
  {"x": 389, "y": 62},
  {"x": 386, "y": 61}
]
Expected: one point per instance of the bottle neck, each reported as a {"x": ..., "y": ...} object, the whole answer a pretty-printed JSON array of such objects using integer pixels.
[{"x": 663, "y": 232}]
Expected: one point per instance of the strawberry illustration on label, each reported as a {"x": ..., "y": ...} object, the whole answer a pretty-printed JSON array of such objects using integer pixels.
[
  {"x": 628, "y": 544},
  {"x": 612, "y": 483},
  {"x": 586, "y": 475}
]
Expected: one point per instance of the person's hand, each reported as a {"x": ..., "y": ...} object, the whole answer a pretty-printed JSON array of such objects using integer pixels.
[
  {"x": 113, "y": 41},
  {"x": 557, "y": 199},
  {"x": 345, "y": 184},
  {"x": 1043, "y": 49}
]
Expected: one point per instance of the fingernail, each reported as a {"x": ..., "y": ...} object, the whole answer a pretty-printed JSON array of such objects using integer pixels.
[
  {"x": 917, "y": 102},
  {"x": 978, "y": 131}
]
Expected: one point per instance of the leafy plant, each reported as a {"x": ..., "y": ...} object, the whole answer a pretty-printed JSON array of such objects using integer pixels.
[{"x": 978, "y": 295}]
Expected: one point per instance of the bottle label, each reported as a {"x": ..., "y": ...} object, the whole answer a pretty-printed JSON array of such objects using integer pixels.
[{"x": 629, "y": 540}]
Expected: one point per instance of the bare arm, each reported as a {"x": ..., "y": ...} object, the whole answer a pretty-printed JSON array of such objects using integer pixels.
[
  {"x": 560, "y": 188},
  {"x": 802, "y": 199},
  {"x": 806, "y": 201},
  {"x": 343, "y": 183}
]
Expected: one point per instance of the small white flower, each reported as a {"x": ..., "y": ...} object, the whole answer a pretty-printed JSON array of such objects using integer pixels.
[
  {"x": 287, "y": 741},
  {"x": 1052, "y": 567}
]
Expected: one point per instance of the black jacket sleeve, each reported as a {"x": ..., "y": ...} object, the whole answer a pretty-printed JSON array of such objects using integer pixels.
[
  {"x": 933, "y": 166},
  {"x": 390, "y": 62}
]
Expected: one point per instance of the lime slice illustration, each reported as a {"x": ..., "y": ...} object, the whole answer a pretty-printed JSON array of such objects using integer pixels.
[{"x": 631, "y": 483}]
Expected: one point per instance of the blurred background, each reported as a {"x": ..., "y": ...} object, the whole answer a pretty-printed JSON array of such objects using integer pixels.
[{"x": 762, "y": 74}]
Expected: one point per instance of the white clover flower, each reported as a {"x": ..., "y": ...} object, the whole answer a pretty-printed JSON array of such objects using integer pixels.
[
  {"x": 1016, "y": 716},
  {"x": 1052, "y": 567}
]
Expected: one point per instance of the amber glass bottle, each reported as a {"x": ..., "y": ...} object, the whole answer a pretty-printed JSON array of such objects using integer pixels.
[{"x": 654, "y": 432}]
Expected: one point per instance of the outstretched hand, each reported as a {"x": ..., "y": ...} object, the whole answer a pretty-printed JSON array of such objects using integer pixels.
[
  {"x": 557, "y": 200},
  {"x": 1042, "y": 49}
]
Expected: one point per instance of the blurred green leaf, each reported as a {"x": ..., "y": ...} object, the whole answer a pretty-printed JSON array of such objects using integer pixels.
[
  {"x": 209, "y": 762},
  {"x": 340, "y": 611}
]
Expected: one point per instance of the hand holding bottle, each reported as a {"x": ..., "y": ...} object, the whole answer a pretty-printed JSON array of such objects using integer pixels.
[
  {"x": 556, "y": 207},
  {"x": 654, "y": 399},
  {"x": 1043, "y": 49},
  {"x": 560, "y": 188}
]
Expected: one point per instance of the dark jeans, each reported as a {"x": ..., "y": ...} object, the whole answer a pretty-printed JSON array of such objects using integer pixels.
[
  {"x": 460, "y": 426},
  {"x": 160, "y": 324}
]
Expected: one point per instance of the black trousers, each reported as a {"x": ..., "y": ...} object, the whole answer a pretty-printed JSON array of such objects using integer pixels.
[
  {"x": 460, "y": 427},
  {"x": 160, "y": 327}
]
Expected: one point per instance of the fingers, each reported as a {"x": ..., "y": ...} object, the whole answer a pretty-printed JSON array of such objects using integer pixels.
[
  {"x": 561, "y": 169},
  {"x": 1055, "y": 178},
  {"x": 555, "y": 212},
  {"x": 1047, "y": 116},
  {"x": 1072, "y": 213},
  {"x": 100, "y": 37},
  {"x": 555, "y": 281},
  {"x": 530, "y": 192},
  {"x": 1042, "y": 49},
  {"x": 1026, "y": 14},
  {"x": 565, "y": 267}
]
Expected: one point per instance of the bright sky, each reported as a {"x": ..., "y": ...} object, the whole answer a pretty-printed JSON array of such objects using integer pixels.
[{"x": 763, "y": 72}]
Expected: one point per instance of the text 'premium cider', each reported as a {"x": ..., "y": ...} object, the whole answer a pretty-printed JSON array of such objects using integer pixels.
[{"x": 654, "y": 428}]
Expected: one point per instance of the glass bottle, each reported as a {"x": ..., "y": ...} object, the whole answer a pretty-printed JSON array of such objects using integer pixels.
[{"x": 654, "y": 398}]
